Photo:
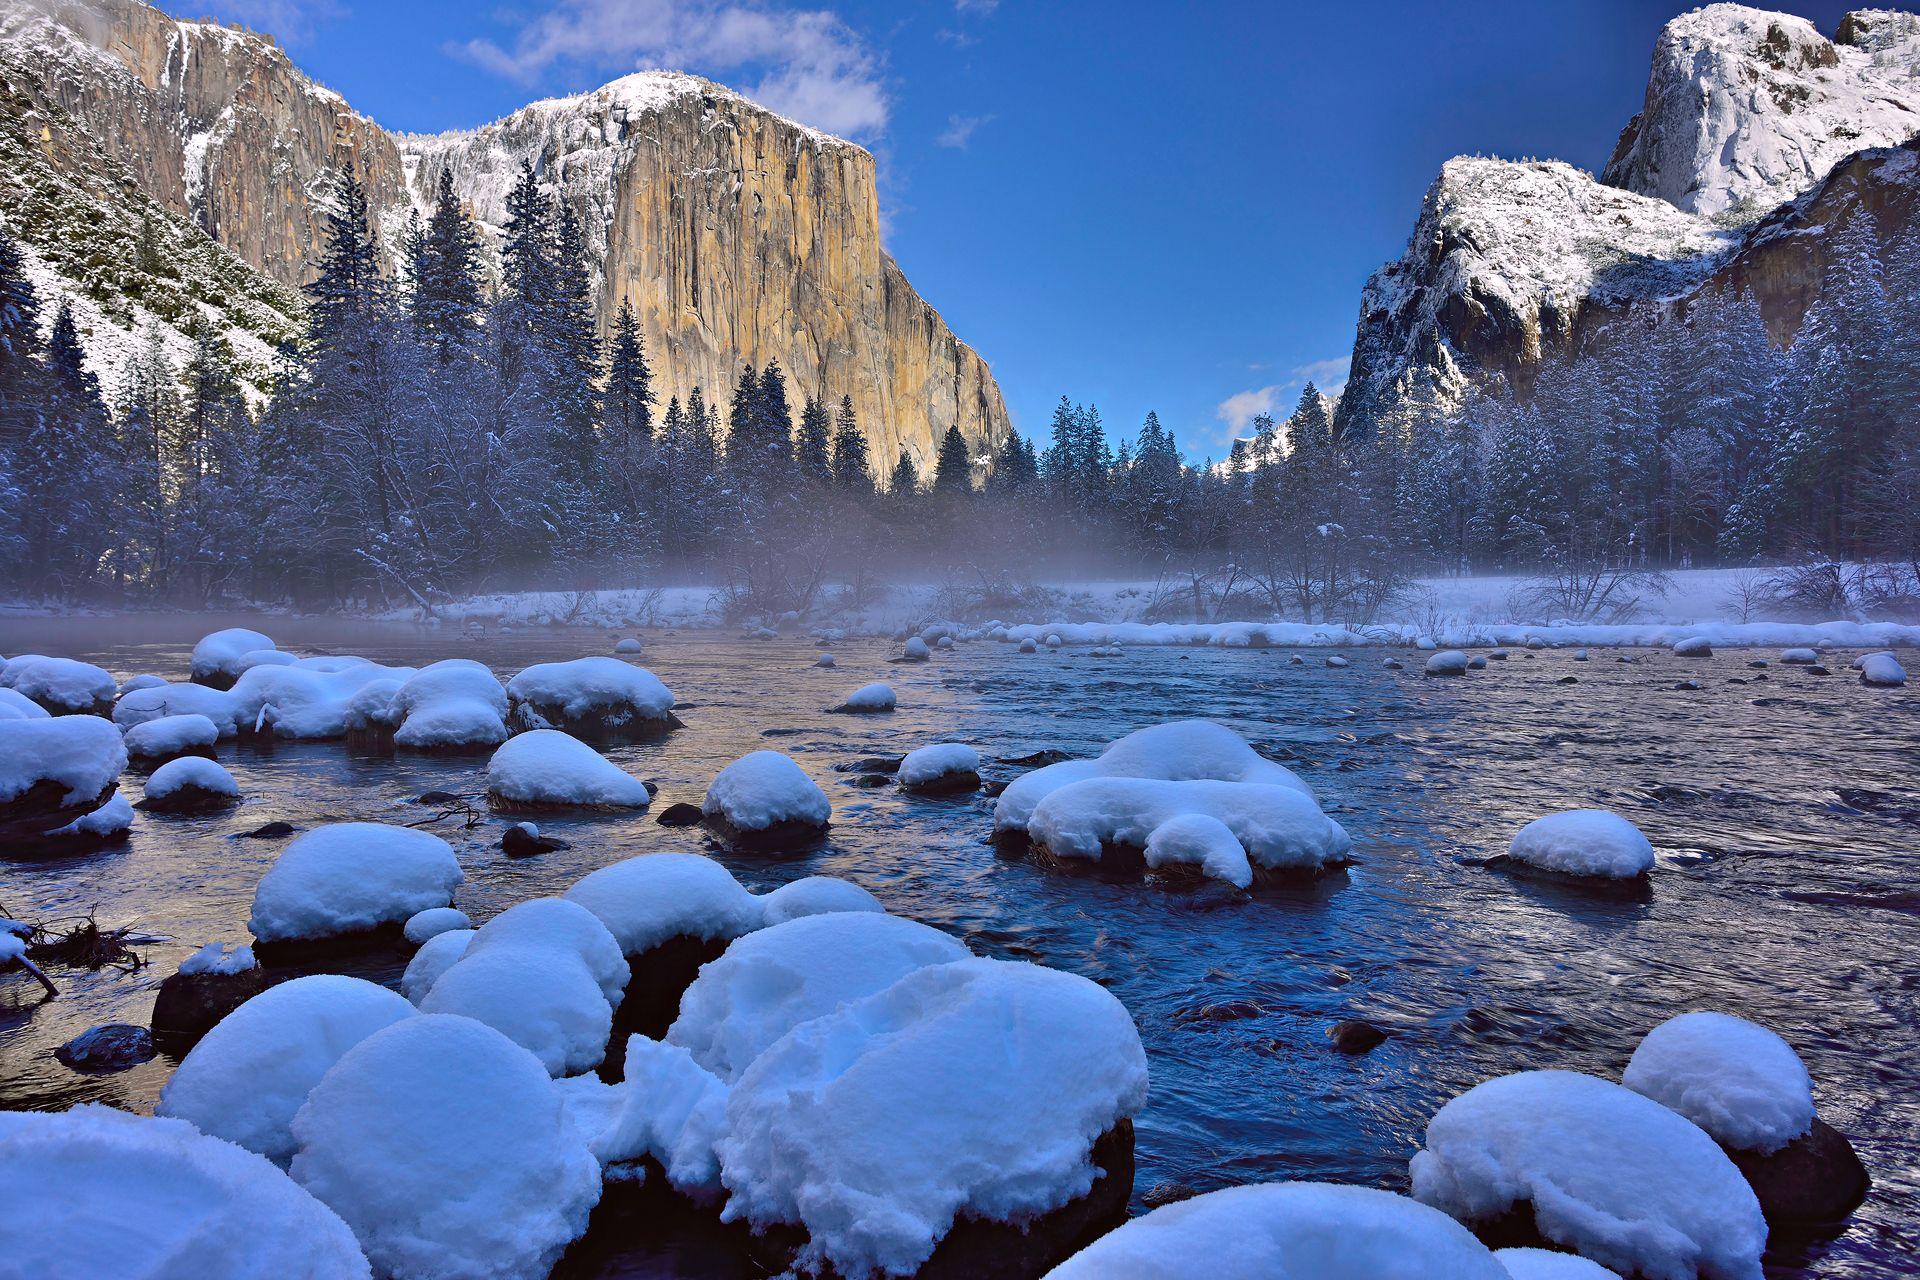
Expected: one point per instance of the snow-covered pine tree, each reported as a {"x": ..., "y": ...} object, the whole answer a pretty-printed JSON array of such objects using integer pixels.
[
  {"x": 629, "y": 393},
  {"x": 813, "y": 447},
  {"x": 852, "y": 466},
  {"x": 64, "y": 469}
]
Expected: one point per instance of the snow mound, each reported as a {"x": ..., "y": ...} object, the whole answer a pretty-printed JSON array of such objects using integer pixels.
[
  {"x": 81, "y": 754},
  {"x": 216, "y": 958},
  {"x": 926, "y": 766},
  {"x": 765, "y": 788},
  {"x": 1275, "y": 828},
  {"x": 541, "y": 997},
  {"x": 559, "y": 925},
  {"x": 1614, "y": 1176},
  {"x": 451, "y": 704},
  {"x": 611, "y": 691},
  {"x": 1198, "y": 840},
  {"x": 220, "y": 654},
  {"x": 1180, "y": 749},
  {"x": 60, "y": 685},
  {"x": 1799, "y": 657},
  {"x": 769, "y": 982},
  {"x": 435, "y": 956},
  {"x": 249, "y": 1075},
  {"x": 443, "y": 1145},
  {"x": 311, "y": 700},
  {"x": 1448, "y": 662},
  {"x": 350, "y": 876},
  {"x": 814, "y": 896},
  {"x": 1584, "y": 842},
  {"x": 1287, "y": 1231},
  {"x": 424, "y": 926},
  {"x": 646, "y": 900},
  {"x": 548, "y": 767},
  {"x": 1882, "y": 669},
  {"x": 1693, "y": 647},
  {"x": 138, "y": 1198},
  {"x": 870, "y": 698},
  {"x": 187, "y": 775},
  {"x": 141, "y": 706},
  {"x": 170, "y": 736},
  {"x": 111, "y": 819},
  {"x": 628, "y": 644},
  {"x": 18, "y": 706},
  {"x": 826, "y": 660},
  {"x": 915, "y": 650},
  {"x": 973, "y": 1087},
  {"x": 142, "y": 681},
  {"x": 1737, "y": 1080},
  {"x": 1545, "y": 1264}
]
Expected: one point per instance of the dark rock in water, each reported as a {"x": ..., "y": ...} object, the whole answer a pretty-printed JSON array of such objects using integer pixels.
[
  {"x": 992, "y": 790},
  {"x": 1296, "y": 661},
  {"x": 604, "y": 725},
  {"x": 1221, "y": 1011},
  {"x": 661, "y": 975},
  {"x": 962, "y": 782},
  {"x": 439, "y": 798},
  {"x": 1758, "y": 665},
  {"x": 189, "y": 1004},
  {"x": 518, "y": 842},
  {"x": 872, "y": 781},
  {"x": 1687, "y": 684},
  {"x": 1569, "y": 679},
  {"x": 1816, "y": 1178},
  {"x": 1167, "y": 1193},
  {"x": 1038, "y": 759},
  {"x": 680, "y": 815},
  {"x": 1815, "y": 669},
  {"x": 268, "y": 831},
  {"x": 783, "y": 733},
  {"x": 1356, "y": 1036},
  {"x": 787, "y": 836},
  {"x": 113, "y": 1047},
  {"x": 870, "y": 764},
  {"x": 389, "y": 937},
  {"x": 1624, "y": 658},
  {"x": 1759, "y": 678},
  {"x": 142, "y": 761}
]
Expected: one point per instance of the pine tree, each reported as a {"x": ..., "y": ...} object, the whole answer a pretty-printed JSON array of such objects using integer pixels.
[
  {"x": 21, "y": 349},
  {"x": 569, "y": 328},
  {"x": 629, "y": 395},
  {"x": 813, "y": 449},
  {"x": 526, "y": 249},
  {"x": 446, "y": 267},
  {"x": 64, "y": 469},
  {"x": 347, "y": 279},
  {"x": 903, "y": 482},
  {"x": 852, "y": 466},
  {"x": 953, "y": 466}
]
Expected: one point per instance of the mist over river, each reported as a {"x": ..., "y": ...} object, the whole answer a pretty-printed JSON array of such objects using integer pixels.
[{"x": 1785, "y": 812}]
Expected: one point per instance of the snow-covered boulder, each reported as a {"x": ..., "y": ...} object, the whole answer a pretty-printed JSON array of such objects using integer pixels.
[
  {"x": 139, "y": 706},
  {"x": 550, "y": 769},
  {"x": 868, "y": 699},
  {"x": 1052, "y": 641},
  {"x": 826, "y": 660},
  {"x": 1693, "y": 647},
  {"x": 541, "y": 997},
  {"x": 1548, "y": 1264},
  {"x": 1477, "y": 662},
  {"x": 219, "y": 658},
  {"x": 1335, "y": 660},
  {"x": 813, "y": 896},
  {"x": 1448, "y": 662},
  {"x": 628, "y": 644},
  {"x": 209, "y": 985},
  {"x": 18, "y": 706},
  {"x": 455, "y": 704},
  {"x": 190, "y": 784},
  {"x": 442, "y": 1144},
  {"x": 61, "y": 686},
  {"x": 1883, "y": 670},
  {"x": 593, "y": 698},
  {"x": 1616, "y": 1177},
  {"x": 915, "y": 650},
  {"x": 95, "y": 1191},
  {"x": 249, "y": 1075},
  {"x": 157, "y": 741},
  {"x": 942, "y": 767},
  {"x": 764, "y": 800},
  {"x": 435, "y": 956},
  {"x": 351, "y": 883},
  {"x": 1309, "y": 1230},
  {"x": 1027, "y": 645},
  {"x": 144, "y": 680},
  {"x": 1799, "y": 657},
  {"x": 58, "y": 775},
  {"x": 311, "y": 700},
  {"x": 422, "y": 926},
  {"x": 1584, "y": 842}
]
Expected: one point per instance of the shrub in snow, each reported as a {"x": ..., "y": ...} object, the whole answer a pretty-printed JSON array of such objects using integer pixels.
[
  {"x": 431, "y": 923},
  {"x": 347, "y": 879},
  {"x": 591, "y": 697},
  {"x": 1609, "y": 1174},
  {"x": 442, "y": 1145},
  {"x": 915, "y": 650},
  {"x": 435, "y": 956},
  {"x": 190, "y": 784},
  {"x": 453, "y": 705},
  {"x": 219, "y": 658},
  {"x": 1310, "y": 1230},
  {"x": 1737, "y": 1080},
  {"x": 628, "y": 644},
  {"x": 1584, "y": 842},
  {"x": 1545, "y": 1264},
  {"x": 1692, "y": 647},
  {"x": 550, "y": 769},
  {"x": 249, "y": 1075},
  {"x": 868, "y": 698},
  {"x": 941, "y": 767},
  {"x": 170, "y": 736},
  {"x": 98, "y": 1192},
  {"x": 18, "y": 706},
  {"x": 1882, "y": 669},
  {"x": 1448, "y": 662},
  {"x": 765, "y": 799},
  {"x": 61, "y": 686}
]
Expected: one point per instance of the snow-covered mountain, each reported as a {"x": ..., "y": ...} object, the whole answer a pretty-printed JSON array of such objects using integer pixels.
[
  {"x": 737, "y": 234},
  {"x": 1748, "y": 114}
]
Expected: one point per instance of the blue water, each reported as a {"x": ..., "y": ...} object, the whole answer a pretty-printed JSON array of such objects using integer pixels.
[{"x": 1786, "y": 814}]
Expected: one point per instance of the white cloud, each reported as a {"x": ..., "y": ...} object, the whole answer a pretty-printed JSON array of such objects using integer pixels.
[
  {"x": 959, "y": 131},
  {"x": 1329, "y": 375},
  {"x": 1240, "y": 409},
  {"x": 804, "y": 63},
  {"x": 976, "y": 6}
]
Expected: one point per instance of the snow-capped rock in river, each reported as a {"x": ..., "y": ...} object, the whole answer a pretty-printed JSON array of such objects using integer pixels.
[
  {"x": 1584, "y": 842},
  {"x": 940, "y": 767},
  {"x": 219, "y": 657},
  {"x": 765, "y": 797},
  {"x": 455, "y": 704},
  {"x": 550, "y": 769},
  {"x": 589, "y": 697},
  {"x": 170, "y": 736},
  {"x": 352, "y": 878},
  {"x": 62, "y": 686},
  {"x": 189, "y": 784},
  {"x": 1737, "y": 1080}
]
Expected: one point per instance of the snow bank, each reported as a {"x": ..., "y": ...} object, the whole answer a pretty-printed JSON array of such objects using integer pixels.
[
  {"x": 1545, "y": 1264},
  {"x": 1612, "y": 1175},
  {"x": 220, "y": 655},
  {"x": 763, "y": 789},
  {"x": 248, "y": 1076},
  {"x": 81, "y": 754},
  {"x": 1737, "y": 1080},
  {"x": 1276, "y": 828},
  {"x": 870, "y": 698},
  {"x": 435, "y": 956},
  {"x": 350, "y": 876},
  {"x": 18, "y": 706},
  {"x": 60, "y": 685},
  {"x": 452, "y": 704},
  {"x": 974, "y": 1087},
  {"x": 1284, "y": 1231},
  {"x": 606, "y": 691},
  {"x": 1464, "y": 633},
  {"x": 548, "y": 767},
  {"x": 938, "y": 764},
  {"x": 170, "y": 736},
  {"x": 1584, "y": 842},
  {"x": 442, "y": 1145},
  {"x": 1882, "y": 669},
  {"x": 769, "y": 982},
  {"x": 97, "y": 1192},
  {"x": 190, "y": 780},
  {"x": 423, "y": 926}
]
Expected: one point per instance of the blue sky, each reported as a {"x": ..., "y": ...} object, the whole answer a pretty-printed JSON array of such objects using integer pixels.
[{"x": 1145, "y": 205}]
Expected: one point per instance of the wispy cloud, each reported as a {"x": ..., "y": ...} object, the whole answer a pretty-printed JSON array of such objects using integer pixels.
[
  {"x": 976, "y": 6},
  {"x": 1240, "y": 409},
  {"x": 805, "y": 63},
  {"x": 959, "y": 131},
  {"x": 288, "y": 21},
  {"x": 1330, "y": 375}
]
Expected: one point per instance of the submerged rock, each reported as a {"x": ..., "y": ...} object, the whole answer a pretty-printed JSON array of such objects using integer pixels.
[
  {"x": 268, "y": 831},
  {"x": 680, "y": 814},
  {"x": 113, "y": 1047},
  {"x": 1356, "y": 1036}
]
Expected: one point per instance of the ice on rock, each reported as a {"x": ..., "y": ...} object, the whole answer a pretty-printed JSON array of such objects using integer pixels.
[
  {"x": 561, "y": 925},
  {"x": 977, "y": 1087},
  {"x": 1277, "y": 828},
  {"x": 1448, "y": 662},
  {"x": 189, "y": 780},
  {"x": 1616, "y": 1177},
  {"x": 61, "y": 685},
  {"x": 548, "y": 767},
  {"x": 171, "y": 736},
  {"x": 1584, "y": 842},
  {"x": 869, "y": 698},
  {"x": 644, "y": 901},
  {"x": 351, "y": 876},
  {"x": 541, "y": 997},
  {"x": 435, "y": 956},
  {"x": 814, "y": 896},
  {"x": 249, "y": 1075},
  {"x": 764, "y": 790},
  {"x": 220, "y": 656},
  {"x": 771, "y": 981},
  {"x": 1882, "y": 669},
  {"x": 443, "y": 1145},
  {"x": 1287, "y": 1231},
  {"x": 1545, "y": 1264},
  {"x": 941, "y": 765},
  {"x": 604, "y": 693},
  {"x": 95, "y": 1191},
  {"x": 453, "y": 704},
  {"x": 424, "y": 926},
  {"x": 1737, "y": 1080},
  {"x": 82, "y": 756}
]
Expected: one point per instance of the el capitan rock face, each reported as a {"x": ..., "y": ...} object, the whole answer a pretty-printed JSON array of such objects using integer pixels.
[{"x": 737, "y": 234}]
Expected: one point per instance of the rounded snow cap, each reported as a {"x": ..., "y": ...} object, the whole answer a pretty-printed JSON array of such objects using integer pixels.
[
  {"x": 349, "y": 876},
  {"x": 1737, "y": 1080},
  {"x": 1584, "y": 842}
]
